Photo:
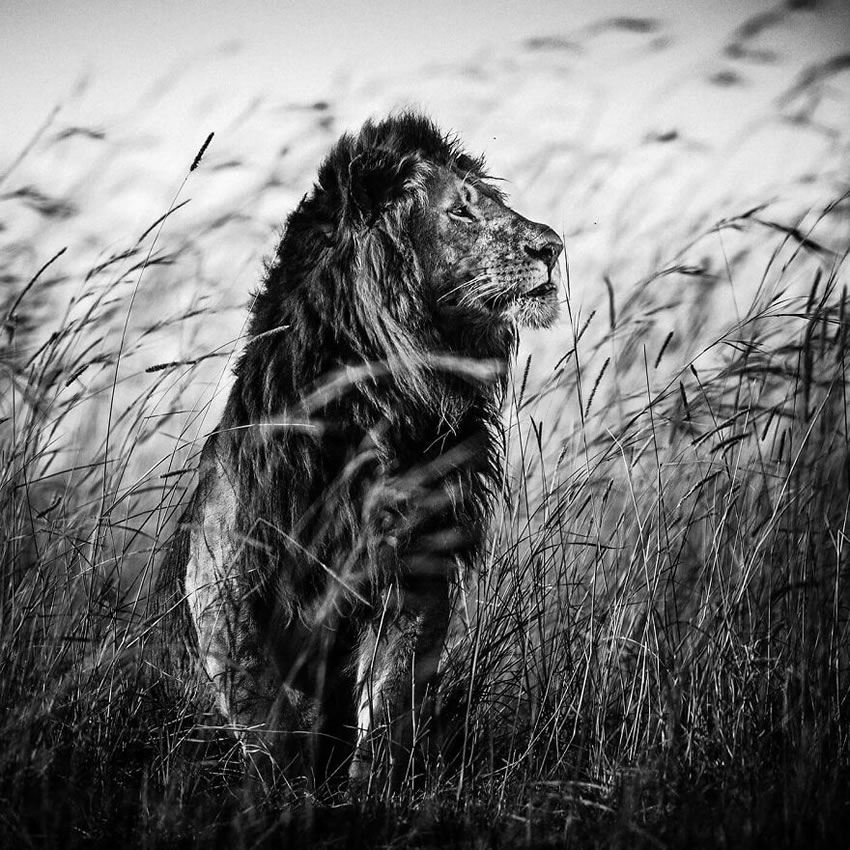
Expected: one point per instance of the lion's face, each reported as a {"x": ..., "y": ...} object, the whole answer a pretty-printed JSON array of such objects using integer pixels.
[{"x": 488, "y": 261}]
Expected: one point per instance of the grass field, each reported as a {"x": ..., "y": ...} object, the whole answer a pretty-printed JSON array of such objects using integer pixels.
[{"x": 656, "y": 653}]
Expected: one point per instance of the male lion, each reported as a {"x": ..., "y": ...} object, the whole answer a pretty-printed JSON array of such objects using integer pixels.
[{"x": 354, "y": 467}]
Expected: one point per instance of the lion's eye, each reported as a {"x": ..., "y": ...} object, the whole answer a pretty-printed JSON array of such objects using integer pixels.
[{"x": 462, "y": 212}]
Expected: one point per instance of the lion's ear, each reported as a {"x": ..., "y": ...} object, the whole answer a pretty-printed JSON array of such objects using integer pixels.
[{"x": 376, "y": 180}]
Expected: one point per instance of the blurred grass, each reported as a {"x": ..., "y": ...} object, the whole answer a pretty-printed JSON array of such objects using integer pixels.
[{"x": 656, "y": 652}]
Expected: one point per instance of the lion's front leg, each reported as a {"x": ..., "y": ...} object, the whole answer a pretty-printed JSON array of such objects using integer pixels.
[
  {"x": 397, "y": 660},
  {"x": 222, "y": 599},
  {"x": 247, "y": 686}
]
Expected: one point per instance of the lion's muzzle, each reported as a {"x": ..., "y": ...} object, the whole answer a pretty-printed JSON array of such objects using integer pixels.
[{"x": 546, "y": 247}]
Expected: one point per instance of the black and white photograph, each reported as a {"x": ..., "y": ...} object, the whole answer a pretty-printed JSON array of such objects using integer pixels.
[{"x": 425, "y": 425}]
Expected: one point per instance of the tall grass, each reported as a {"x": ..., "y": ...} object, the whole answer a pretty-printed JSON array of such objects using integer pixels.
[
  {"x": 665, "y": 614},
  {"x": 655, "y": 651}
]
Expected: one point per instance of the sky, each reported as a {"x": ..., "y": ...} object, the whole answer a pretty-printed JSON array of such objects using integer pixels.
[
  {"x": 106, "y": 55},
  {"x": 626, "y": 141}
]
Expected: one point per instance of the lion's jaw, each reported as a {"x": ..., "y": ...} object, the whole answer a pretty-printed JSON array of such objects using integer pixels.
[{"x": 534, "y": 305}]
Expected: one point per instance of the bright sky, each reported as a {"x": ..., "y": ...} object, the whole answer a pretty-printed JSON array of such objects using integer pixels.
[{"x": 283, "y": 49}]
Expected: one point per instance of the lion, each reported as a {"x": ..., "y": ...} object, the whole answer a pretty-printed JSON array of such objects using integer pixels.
[{"x": 352, "y": 476}]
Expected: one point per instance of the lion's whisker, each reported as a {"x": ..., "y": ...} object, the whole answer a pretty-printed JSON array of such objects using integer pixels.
[
  {"x": 478, "y": 288},
  {"x": 488, "y": 289},
  {"x": 463, "y": 285}
]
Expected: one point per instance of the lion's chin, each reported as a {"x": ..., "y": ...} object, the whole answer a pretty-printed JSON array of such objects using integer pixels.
[
  {"x": 535, "y": 312},
  {"x": 539, "y": 306}
]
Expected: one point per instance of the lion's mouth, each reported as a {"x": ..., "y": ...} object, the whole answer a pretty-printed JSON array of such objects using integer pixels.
[
  {"x": 540, "y": 291},
  {"x": 506, "y": 300}
]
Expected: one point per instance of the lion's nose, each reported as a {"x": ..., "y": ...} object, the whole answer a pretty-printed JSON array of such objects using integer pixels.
[{"x": 547, "y": 248}]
